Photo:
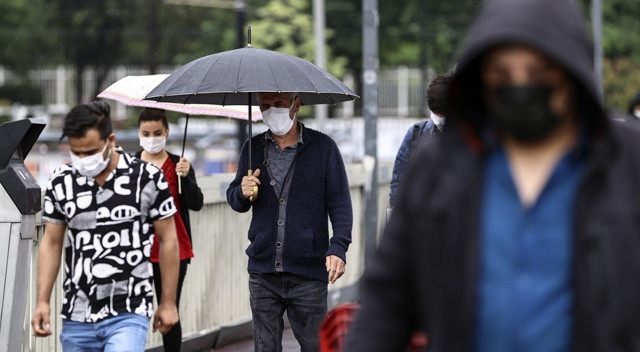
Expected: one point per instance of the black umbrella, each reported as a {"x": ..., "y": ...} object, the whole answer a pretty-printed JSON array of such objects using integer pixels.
[{"x": 230, "y": 78}]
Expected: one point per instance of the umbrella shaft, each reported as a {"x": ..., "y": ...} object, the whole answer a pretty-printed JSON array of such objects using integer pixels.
[
  {"x": 250, "y": 128},
  {"x": 184, "y": 138}
]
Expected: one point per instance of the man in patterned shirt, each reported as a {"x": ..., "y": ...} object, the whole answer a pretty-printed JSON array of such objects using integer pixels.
[{"x": 109, "y": 205}]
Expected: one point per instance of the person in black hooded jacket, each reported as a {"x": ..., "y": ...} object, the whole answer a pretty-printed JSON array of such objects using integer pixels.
[
  {"x": 518, "y": 229},
  {"x": 153, "y": 130}
]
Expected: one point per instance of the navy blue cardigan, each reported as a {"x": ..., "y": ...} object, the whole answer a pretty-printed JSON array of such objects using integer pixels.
[{"x": 319, "y": 190}]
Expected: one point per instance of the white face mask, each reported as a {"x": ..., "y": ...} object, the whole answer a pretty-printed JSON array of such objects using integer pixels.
[
  {"x": 153, "y": 145},
  {"x": 92, "y": 165},
  {"x": 278, "y": 120},
  {"x": 438, "y": 121},
  {"x": 636, "y": 113}
]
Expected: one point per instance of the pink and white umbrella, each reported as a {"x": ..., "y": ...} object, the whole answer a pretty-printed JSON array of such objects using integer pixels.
[{"x": 131, "y": 90}]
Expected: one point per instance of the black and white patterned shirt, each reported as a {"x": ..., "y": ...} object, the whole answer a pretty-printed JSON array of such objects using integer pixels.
[{"x": 109, "y": 237}]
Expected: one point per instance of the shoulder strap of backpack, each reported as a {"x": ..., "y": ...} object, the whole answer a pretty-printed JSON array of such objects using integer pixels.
[{"x": 415, "y": 134}]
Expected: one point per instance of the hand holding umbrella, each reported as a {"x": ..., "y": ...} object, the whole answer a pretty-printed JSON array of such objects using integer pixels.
[
  {"x": 250, "y": 184},
  {"x": 182, "y": 169}
]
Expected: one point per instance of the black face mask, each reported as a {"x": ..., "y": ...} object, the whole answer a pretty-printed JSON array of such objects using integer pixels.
[{"x": 523, "y": 111}]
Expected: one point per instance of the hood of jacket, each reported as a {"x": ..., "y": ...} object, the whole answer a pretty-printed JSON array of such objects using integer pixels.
[{"x": 556, "y": 28}]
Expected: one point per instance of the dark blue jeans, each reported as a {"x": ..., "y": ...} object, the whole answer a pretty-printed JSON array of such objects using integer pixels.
[{"x": 305, "y": 301}]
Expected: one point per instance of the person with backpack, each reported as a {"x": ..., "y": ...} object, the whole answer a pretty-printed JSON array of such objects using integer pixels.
[{"x": 436, "y": 99}]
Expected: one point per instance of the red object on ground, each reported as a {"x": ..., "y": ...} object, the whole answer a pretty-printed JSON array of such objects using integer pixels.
[
  {"x": 417, "y": 342},
  {"x": 335, "y": 326}
]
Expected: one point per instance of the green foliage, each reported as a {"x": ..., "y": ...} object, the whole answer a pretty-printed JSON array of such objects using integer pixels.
[
  {"x": 440, "y": 26},
  {"x": 286, "y": 26},
  {"x": 153, "y": 33},
  {"x": 165, "y": 34},
  {"x": 24, "y": 34},
  {"x": 22, "y": 92},
  {"x": 344, "y": 20},
  {"x": 622, "y": 82},
  {"x": 621, "y": 45}
]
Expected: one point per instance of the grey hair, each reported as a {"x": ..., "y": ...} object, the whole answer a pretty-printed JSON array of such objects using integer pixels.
[{"x": 293, "y": 96}]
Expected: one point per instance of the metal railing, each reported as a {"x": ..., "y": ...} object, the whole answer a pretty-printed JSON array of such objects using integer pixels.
[
  {"x": 400, "y": 90},
  {"x": 215, "y": 292}
]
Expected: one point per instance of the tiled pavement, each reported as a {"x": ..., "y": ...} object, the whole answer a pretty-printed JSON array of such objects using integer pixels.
[{"x": 289, "y": 344}]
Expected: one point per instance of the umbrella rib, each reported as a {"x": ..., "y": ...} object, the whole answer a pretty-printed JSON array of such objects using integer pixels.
[
  {"x": 211, "y": 66},
  {"x": 239, "y": 66},
  {"x": 291, "y": 59},
  {"x": 271, "y": 70}
]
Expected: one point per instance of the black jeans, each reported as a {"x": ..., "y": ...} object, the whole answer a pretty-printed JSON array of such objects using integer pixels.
[
  {"x": 305, "y": 301},
  {"x": 172, "y": 340}
]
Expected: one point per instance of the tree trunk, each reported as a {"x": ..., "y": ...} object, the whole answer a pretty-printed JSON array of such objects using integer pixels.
[
  {"x": 79, "y": 83},
  {"x": 101, "y": 76},
  {"x": 154, "y": 34}
]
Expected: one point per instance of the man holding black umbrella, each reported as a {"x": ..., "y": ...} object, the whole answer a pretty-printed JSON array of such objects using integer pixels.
[{"x": 303, "y": 182}]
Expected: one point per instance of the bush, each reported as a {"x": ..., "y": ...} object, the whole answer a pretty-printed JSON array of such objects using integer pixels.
[{"x": 24, "y": 93}]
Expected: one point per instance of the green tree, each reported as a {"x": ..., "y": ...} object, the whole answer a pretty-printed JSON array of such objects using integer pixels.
[
  {"x": 286, "y": 26},
  {"x": 25, "y": 37},
  {"x": 91, "y": 35},
  {"x": 26, "y": 43},
  {"x": 621, "y": 45},
  {"x": 165, "y": 34}
]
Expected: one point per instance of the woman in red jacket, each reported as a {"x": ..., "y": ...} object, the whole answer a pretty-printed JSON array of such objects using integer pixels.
[{"x": 153, "y": 130}]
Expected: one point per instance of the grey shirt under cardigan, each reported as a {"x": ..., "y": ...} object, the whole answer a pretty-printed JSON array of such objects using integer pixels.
[
  {"x": 318, "y": 191},
  {"x": 279, "y": 164}
]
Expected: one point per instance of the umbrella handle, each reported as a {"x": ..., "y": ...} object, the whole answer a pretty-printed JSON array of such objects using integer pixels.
[
  {"x": 179, "y": 184},
  {"x": 255, "y": 188}
]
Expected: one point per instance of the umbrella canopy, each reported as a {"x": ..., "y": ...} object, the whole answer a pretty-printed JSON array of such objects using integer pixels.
[
  {"x": 234, "y": 77},
  {"x": 225, "y": 78},
  {"x": 131, "y": 90}
]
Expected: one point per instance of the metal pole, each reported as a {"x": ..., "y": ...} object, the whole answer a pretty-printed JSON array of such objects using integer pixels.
[
  {"x": 370, "y": 21},
  {"x": 596, "y": 19},
  {"x": 423, "y": 58},
  {"x": 184, "y": 137},
  {"x": 319, "y": 24},
  {"x": 250, "y": 129},
  {"x": 240, "y": 8}
]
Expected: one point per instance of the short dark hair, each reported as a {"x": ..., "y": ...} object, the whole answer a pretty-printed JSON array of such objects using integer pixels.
[
  {"x": 151, "y": 114},
  {"x": 437, "y": 93},
  {"x": 84, "y": 117}
]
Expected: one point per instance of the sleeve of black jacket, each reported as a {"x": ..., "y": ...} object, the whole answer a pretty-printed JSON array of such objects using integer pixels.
[
  {"x": 191, "y": 193},
  {"x": 387, "y": 315}
]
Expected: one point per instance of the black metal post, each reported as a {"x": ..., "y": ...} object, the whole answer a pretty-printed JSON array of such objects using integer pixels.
[
  {"x": 250, "y": 129},
  {"x": 423, "y": 58},
  {"x": 596, "y": 19},
  {"x": 241, "y": 135},
  {"x": 184, "y": 137},
  {"x": 370, "y": 21}
]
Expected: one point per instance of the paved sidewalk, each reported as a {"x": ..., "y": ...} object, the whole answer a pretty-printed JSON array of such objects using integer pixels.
[{"x": 289, "y": 344}]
